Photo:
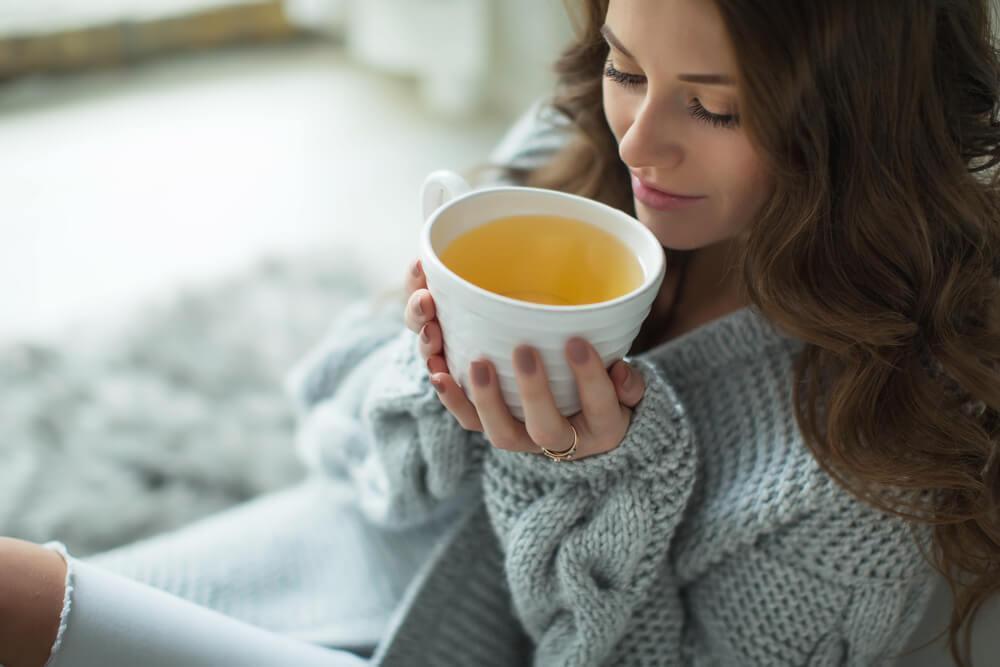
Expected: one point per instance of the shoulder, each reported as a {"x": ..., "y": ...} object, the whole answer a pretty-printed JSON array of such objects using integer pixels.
[
  {"x": 760, "y": 486},
  {"x": 847, "y": 540},
  {"x": 537, "y": 134}
]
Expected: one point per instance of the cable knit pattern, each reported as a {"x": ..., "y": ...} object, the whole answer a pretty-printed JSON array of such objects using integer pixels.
[
  {"x": 584, "y": 541},
  {"x": 709, "y": 537}
]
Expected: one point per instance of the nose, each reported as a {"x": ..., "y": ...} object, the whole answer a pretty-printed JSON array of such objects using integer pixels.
[{"x": 649, "y": 142}]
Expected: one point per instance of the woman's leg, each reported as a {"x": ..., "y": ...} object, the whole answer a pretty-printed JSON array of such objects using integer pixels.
[
  {"x": 113, "y": 620},
  {"x": 31, "y": 596},
  {"x": 278, "y": 576},
  {"x": 302, "y": 562}
]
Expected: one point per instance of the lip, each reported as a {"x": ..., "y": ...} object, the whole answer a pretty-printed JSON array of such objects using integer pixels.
[{"x": 658, "y": 199}]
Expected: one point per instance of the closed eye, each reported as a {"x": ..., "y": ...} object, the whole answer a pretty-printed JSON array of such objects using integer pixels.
[{"x": 628, "y": 80}]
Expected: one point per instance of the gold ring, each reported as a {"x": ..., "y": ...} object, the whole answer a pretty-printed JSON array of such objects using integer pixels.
[{"x": 567, "y": 454}]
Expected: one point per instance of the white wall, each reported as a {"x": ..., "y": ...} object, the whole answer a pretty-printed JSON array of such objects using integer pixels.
[
  {"x": 468, "y": 55},
  {"x": 528, "y": 36}
]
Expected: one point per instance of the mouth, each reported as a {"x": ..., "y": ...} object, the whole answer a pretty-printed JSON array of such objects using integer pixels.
[
  {"x": 661, "y": 200},
  {"x": 654, "y": 188}
]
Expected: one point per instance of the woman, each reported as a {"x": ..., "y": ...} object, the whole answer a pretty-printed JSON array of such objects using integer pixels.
[{"x": 807, "y": 423}]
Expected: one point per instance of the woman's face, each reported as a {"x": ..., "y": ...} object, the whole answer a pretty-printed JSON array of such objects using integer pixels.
[{"x": 674, "y": 132}]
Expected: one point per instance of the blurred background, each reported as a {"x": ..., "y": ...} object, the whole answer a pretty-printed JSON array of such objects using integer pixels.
[
  {"x": 150, "y": 141},
  {"x": 192, "y": 189}
]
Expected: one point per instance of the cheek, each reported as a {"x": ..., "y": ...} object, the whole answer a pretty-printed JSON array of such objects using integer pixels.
[{"x": 750, "y": 188}]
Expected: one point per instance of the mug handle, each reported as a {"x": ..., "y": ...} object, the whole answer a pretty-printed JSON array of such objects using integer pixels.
[{"x": 439, "y": 188}]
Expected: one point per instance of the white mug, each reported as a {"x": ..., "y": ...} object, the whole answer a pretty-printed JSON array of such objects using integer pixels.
[{"x": 479, "y": 324}]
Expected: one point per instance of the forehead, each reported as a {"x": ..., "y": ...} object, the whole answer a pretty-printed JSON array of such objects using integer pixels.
[{"x": 677, "y": 34}]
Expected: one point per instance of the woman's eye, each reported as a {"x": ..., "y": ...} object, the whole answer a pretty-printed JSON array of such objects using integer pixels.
[
  {"x": 729, "y": 121},
  {"x": 623, "y": 78},
  {"x": 626, "y": 80}
]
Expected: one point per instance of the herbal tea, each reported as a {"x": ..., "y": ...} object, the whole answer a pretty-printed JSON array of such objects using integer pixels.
[{"x": 545, "y": 259}]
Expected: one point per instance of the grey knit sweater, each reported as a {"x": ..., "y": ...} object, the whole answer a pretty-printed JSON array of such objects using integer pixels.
[{"x": 710, "y": 536}]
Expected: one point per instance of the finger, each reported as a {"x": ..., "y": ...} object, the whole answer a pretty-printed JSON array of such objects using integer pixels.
[
  {"x": 419, "y": 310},
  {"x": 544, "y": 423},
  {"x": 430, "y": 340},
  {"x": 501, "y": 429},
  {"x": 629, "y": 384},
  {"x": 415, "y": 278},
  {"x": 598, "y": 398},
  {"x": 457, "y": 403},
  {"x": 437, "y": 364}
]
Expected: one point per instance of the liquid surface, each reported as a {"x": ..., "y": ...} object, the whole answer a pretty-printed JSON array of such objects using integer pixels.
[{"x": 545, "y": 259}]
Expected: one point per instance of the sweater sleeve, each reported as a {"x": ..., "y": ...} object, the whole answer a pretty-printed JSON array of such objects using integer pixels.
[
  {"x": 585, "y": 542},
  {"x": 368, "y": 414}
]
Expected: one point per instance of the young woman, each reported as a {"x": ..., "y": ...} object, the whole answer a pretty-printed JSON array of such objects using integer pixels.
[{"x": 807, "y": 425}]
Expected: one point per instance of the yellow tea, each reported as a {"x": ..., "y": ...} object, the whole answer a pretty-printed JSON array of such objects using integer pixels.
[{"x": 545, "y": 259}]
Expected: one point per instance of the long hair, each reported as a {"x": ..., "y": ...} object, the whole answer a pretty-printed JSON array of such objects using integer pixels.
[{"x": 879, "y": 247}]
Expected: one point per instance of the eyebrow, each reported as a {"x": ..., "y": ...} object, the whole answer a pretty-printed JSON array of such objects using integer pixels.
[{"x": 720, "y": 79}]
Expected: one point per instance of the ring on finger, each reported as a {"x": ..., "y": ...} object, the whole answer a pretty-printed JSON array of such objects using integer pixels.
[{"x": 566, "y": 454}]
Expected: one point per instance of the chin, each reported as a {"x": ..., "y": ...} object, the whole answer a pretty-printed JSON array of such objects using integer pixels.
[{"x": 674, "y": 236}]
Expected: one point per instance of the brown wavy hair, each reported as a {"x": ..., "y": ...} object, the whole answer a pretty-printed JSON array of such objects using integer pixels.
[{"x": 879, "y": 248}]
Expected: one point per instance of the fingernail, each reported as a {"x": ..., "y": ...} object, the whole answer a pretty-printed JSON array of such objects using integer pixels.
[
  {"x": 524, "y": 359},
  {"x": 480, "y": 374},
  {"x": 627, "y": 382},
  {"x": 438, "y": 385},
  {"x": 418, "y": 309},
  {"x": 417, "y": 269},
  {"x": 578, "y": 351},
  {"x": 424, "y": 336}
]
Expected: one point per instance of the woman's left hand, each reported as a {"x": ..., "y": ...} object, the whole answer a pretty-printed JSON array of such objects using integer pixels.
[{"x": 607, "y": 397}]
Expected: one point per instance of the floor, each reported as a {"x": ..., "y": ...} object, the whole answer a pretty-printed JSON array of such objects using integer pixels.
[{"x": 124, "y": 184}]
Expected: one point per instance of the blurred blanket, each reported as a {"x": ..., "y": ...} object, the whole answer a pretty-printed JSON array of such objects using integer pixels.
[{"x": 128, "y": 429}]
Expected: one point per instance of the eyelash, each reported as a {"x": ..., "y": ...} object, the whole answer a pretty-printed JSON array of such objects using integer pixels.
[{"x": 697, "y": 110}]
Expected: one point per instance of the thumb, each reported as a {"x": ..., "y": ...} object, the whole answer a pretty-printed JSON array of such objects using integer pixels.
[{"x": 629, "y": 384}]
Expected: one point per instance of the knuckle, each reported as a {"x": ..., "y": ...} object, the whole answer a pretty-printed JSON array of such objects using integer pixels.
[{"x": 547, "y": 437}]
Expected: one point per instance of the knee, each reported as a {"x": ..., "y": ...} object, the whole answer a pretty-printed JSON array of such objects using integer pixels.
[{"x": 32, "y": 588}]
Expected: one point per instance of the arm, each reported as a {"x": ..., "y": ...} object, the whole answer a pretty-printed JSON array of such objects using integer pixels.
[
  {"x": 367, "y": 414},
  {"x": 586, "y": 542}
]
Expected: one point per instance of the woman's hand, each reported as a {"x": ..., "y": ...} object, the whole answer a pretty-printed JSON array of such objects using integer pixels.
[{"x": 607, "y": 396}]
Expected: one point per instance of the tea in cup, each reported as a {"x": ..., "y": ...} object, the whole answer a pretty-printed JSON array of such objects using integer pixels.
[{"x": 509, "y": 266}]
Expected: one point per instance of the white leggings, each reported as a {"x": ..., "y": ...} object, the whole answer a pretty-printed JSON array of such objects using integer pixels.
[
  {"x": 117, "y": 621},
  {"x": 276, "y": 581}
]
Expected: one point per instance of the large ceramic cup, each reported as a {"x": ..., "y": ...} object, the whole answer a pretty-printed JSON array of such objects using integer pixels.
[{"x": 478, "y": 324}]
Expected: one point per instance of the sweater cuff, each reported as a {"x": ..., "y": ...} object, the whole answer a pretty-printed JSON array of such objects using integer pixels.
[{"x": 658, "y": 442}]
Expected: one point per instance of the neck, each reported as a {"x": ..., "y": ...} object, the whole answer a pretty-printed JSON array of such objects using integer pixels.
[
  {"x": 700, "y": 286},
  {"x": 711, "y": 281}
]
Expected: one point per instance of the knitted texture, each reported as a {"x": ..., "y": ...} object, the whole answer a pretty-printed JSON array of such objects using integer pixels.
[
  {"x": 367, "y": 413},
  {"x": 710, "y": 536},
  {"x": 584, "y": 542}
]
